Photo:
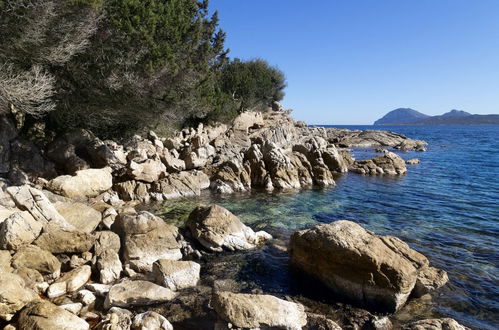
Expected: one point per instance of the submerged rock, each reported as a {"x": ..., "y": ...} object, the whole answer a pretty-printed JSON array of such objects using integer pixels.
[
  {"x": 255, "y": 311},
  {"x": 378, "y": 272},
  {"x": 413, "y": 161},
  {"x": 216, "y": 228}
]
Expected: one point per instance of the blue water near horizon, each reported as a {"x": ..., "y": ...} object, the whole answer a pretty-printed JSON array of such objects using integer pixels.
[{"x": 447, "y": 207}]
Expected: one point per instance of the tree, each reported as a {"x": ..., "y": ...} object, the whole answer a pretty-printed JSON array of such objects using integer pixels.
[{"x": 254, "y": 84}]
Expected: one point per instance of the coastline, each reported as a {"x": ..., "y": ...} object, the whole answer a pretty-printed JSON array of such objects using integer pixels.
[{"x": 286, "y": 167}]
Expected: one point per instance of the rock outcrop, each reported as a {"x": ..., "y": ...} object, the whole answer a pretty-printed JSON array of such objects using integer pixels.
[
  {"x": 258, "y": 311},
  {"x": 216, "y": 229},
  {"x": 378, "y": 272},
  {"x": 387, "y": 164}
]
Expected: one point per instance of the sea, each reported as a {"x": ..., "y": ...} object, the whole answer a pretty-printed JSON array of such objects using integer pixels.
[{"x": 446, "y": 207}]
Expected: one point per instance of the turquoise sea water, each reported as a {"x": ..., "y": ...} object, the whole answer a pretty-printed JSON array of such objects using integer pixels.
[{"x": 447, "y": 207}]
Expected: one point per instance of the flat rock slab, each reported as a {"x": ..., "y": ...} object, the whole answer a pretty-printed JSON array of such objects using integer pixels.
[
  {"x": 137, "y": 293},
  {"x": 255, "y": 311},
  {"x": 82, "y": 217}
]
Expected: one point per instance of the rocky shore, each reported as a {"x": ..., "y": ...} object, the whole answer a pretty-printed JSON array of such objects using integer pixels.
[{"x": 76, "y": 253}]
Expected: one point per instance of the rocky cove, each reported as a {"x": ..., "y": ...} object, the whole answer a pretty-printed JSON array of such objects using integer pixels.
[{"x": 80, "y": 249}]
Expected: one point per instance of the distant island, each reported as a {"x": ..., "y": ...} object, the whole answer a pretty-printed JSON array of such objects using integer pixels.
[{"x": 407, "y": 116}]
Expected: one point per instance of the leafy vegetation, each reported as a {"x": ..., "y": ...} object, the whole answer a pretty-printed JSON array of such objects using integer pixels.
[{"x": 121, "y": 66}]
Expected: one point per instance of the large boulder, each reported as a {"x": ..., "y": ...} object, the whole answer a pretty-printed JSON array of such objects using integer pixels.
[
  {"x": 216, "y": 228},
  {"x": 378, "y": 272},
  {"x": 85, "y": 183},
  {"x": 183, "y": 184},
  {"x": 19, "y": 229},
  {"x": 434, "y": 324},
  {"x": 176, "y": 275},
  {"x": 137, "y": 293},
  {"x": 37, "y": 204},
  {"x": 33, "y": 257},
  {"x": 79, "y": 215},
  {"x": 149, "y": 170},
  {"x": 44, "y": 315},
  {"x": 63, "y": 240},
  {"x": 247, "y": 120},
  {"x": 147, "y": 238},
  {"x": 258, "y": 311},
  {"x": 13, "y": 295}
]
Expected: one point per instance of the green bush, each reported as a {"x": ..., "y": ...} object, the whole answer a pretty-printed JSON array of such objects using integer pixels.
[{"x": 122, "y": 66}]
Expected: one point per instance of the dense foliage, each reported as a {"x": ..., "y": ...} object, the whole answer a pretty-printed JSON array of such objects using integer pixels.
[{"x": 118, "y": 66}]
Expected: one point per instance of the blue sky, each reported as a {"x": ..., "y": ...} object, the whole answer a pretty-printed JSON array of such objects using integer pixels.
[{"x": 352, "y": 61}]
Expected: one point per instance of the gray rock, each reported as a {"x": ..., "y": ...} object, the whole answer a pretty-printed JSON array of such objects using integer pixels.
[
  {"x": 106, "y": 248},
  {"x": 176, "y": 275},
  {"x": 79, "y": 215},
  {"x": 137, "y": 293},
  {"x": 84, "y": 184},
  {"x": 151, "y": 321},
  {"x": 19, "y": 229},
  {"x": 37, "y": 204},
  {"x": 379, "y": 272},
  {"x": 258, "y": 311},
  {"x": 147, "y": 238},
  {"x": 70, "y": 282},
  {"x": 217, "y": 228}
]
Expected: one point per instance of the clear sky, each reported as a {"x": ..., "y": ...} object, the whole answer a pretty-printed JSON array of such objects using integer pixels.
[{"x": 352, "y": 61}]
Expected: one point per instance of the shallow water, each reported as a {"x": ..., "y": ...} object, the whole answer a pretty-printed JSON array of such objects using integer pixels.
[{"x": 447, "y": 207}]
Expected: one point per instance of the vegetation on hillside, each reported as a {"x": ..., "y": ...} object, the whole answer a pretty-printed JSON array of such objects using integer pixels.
[{"x": 121, "y": 66}]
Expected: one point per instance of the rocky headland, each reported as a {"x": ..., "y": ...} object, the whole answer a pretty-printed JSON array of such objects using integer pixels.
[{"x": 77, "y": 253}]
